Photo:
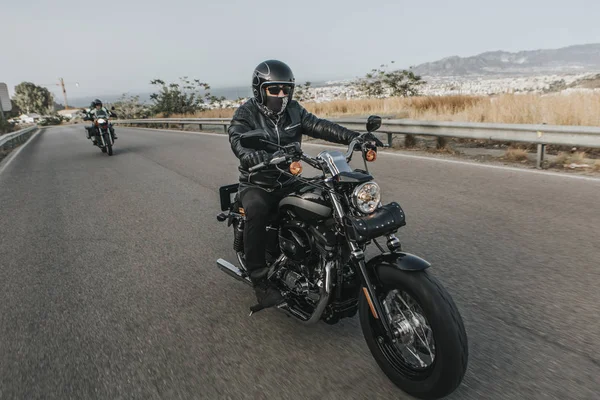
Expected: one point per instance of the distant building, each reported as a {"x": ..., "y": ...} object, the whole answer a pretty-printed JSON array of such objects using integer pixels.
[
  {"x": 30, "y": 118},
  {"x": 72, "y": 113}
]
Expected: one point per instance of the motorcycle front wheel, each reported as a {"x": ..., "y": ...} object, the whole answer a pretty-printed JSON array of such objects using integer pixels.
[
  {"x": 428, "y": 358},
  {"x": 108, "y": 144}
]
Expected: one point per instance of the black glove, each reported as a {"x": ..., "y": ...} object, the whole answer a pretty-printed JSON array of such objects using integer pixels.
[
  {"x": 372, "y": 138},
  {"x": 256, "y": 157}
]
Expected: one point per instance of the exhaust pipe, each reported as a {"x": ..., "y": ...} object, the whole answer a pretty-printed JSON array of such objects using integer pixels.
[
  {"x": 232, "y": 271},
  {"x": 324, "y": 293},
  {"x": 303, "y": 317}
]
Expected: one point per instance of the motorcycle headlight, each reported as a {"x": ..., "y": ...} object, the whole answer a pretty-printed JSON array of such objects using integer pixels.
[
  {"x": 101, "y": 121},
  {"x": 367, "y": 197}
]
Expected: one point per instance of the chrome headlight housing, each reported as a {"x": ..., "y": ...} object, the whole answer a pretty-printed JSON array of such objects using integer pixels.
[{"x": 367, "y": 197}]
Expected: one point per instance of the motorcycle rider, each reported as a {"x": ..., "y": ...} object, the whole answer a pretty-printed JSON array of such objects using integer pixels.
[
  {"x": 96, "y": 108},
  {"x": 271, "y": 110}
]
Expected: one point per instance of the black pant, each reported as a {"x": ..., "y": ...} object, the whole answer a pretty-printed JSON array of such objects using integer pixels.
[{"x": 259, "y": 206}]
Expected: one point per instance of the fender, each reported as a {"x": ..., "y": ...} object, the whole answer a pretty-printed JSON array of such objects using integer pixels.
[{"x": 399, "y": 260}]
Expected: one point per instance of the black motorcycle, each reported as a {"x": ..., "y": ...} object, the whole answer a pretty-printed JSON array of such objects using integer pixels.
[
  {"x": 316, "y": 247},
  {"x": 102, "y": 132}
]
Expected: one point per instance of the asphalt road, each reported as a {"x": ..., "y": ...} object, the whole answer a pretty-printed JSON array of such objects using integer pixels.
[{"x": 109, "y": 287}]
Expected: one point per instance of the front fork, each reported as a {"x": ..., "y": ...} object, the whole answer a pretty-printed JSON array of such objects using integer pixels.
[
  {"x": 104, "y": 144},
  {"x": 358, "y": 257}
]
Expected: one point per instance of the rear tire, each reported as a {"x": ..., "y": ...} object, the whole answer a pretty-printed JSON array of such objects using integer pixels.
[{"x": 448, "y": 349}]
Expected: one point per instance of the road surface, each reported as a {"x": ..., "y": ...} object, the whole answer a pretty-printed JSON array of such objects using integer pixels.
[{"x": 109, "y": 286}]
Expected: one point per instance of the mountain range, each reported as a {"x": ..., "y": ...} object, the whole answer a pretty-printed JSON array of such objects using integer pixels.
[{"x": 572, "y": 59}]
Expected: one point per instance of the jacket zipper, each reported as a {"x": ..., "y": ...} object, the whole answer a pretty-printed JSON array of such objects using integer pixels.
[
  {"x": 277, "y": 130},
  {"x": 291, "y": 127},
  {"x": 279, "y": 143}
]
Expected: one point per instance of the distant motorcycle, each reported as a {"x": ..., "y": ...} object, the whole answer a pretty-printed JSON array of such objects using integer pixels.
[{"x": 102, "y": 132}]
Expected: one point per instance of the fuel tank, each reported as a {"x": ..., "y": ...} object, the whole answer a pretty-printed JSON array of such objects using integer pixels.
[{"x": 308, "y": 203}]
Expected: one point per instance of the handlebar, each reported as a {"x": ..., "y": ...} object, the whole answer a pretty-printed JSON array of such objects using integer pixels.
[
  {"x": 290, "y": 152},
  {"x": 273, "y": 161}
]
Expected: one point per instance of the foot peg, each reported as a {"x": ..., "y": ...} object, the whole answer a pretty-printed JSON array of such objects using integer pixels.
[
  {"x": 221, "y": 217},
  {"x": 258, "y": 307}
]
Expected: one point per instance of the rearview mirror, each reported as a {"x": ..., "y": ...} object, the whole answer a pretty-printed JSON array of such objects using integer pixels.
[
  {"x": 373, "y": 123},
  {"x": 253, "y": 140},
  {"x": 113, "y": 108}
]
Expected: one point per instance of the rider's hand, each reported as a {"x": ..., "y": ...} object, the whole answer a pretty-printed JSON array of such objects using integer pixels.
[
  {"x": 256, "y": 157},
  {"x": 372, "y": 138}
]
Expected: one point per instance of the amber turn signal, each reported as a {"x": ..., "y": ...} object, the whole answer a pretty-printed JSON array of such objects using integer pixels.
[
  {"x": 371, "y": 155},
  {"x": 295, "y": 168}
]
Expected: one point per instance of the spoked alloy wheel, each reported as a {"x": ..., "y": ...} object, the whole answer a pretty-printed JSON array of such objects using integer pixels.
[{"x": 428, "y": 355}]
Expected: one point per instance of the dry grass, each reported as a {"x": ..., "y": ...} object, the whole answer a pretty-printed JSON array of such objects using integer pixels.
[
  {"x": 597, "y": 166},
  {"x": 557, "y": 109},
  {"x": 578, "y": 157},
  {"x": 571, "y": 109},
  {"x": 567, "y": 158},
  {"x": 513, "y": 154}
]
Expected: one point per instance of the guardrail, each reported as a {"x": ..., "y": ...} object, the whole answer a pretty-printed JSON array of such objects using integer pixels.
[
  {"x": 10, "y": 140},
  {"x": 542, "y": 135}
]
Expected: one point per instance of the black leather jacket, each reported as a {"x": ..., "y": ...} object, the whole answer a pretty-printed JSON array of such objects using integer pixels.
[{"x": 288, "y": 128}]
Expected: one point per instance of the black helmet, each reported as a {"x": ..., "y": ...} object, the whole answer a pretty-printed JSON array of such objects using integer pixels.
[
  {"x": 96, "y": 103},
  {"x": 271, "y": 72}
]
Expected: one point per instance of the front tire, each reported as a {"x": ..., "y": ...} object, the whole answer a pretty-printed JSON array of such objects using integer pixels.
[
  {"x": 108, "y": 144},
  {"x": 436, "y": 365}
]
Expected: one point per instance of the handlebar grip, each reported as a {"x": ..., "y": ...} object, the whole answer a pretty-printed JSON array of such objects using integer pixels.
[{"x": 257, "y": 166}]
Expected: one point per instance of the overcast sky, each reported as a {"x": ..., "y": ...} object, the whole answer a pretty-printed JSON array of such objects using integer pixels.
[{"x": 112, "y": 47}]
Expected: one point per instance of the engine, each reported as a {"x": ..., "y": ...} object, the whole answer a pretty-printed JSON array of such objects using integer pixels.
[
  {"x": 306, "y": 247},
  {"x": 295, "y": 242}
]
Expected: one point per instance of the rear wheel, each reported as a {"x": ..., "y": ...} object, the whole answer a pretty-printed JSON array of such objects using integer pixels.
[{"x": 429, "y": 354}]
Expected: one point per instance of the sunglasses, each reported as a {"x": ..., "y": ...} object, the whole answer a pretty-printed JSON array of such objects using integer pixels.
[{"x": 274, "y": 90}]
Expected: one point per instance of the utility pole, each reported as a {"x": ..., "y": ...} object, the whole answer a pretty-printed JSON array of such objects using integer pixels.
[{"x": 62, "y": 83}]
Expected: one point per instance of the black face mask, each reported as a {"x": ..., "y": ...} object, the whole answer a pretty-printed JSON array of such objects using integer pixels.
[{"x": 277, "y": 104}]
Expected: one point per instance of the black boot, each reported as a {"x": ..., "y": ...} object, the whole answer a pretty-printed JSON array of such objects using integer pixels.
[{"x": 266, "y": 293}]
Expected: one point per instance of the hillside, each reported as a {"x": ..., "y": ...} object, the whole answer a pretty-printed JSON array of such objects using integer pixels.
[{"x": 571, "y": 59}]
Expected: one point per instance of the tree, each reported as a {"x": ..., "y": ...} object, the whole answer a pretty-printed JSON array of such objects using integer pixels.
[
  {"x": 186, "y": 97},
  {"x": 382, "y": 82},
  {"x": 302, "y": 92},
  {"x": 129, "y": 107},
  {"x": 31, "y": 98},
  {"x": 217, "y": 102}
]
